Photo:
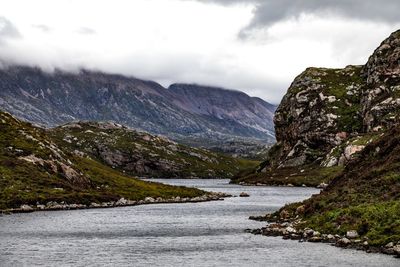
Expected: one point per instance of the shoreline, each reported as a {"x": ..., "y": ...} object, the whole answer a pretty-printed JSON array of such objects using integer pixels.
[
  {"x": 122, "y": 202},
  {"x": 320, "y": 186},
  {"x": 288, "y": 231}
]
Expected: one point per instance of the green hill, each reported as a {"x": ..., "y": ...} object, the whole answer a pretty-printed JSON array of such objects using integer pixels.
[{"x": 36, "y": 168}]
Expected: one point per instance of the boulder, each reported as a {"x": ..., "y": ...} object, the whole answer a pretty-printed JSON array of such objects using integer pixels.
[
  {"x": 316, "y": 234},
  {"x": 396, "y": 250},
  {"x": 330, "y": 238},
  {"x": 352, "y": 149},
  {"x": 290, "y": 230},
  {"x": 121, "y": 202},
  {"x": 389, "y": 245},
  {"x": 26, "y": 208},
  {"x": 308, "y": 232},
  {"x": 344, "y": 242},
  {"x": 315, "y": 239},
  {"x": 352, "y": 234},
  {"x": 149, "y": 200}
]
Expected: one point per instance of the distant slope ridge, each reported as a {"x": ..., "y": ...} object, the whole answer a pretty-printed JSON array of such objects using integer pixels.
[
  {"x": 143, "y": 154},
  {"x": 52, "y": 99},
  {"x": 236, "y": 106}
]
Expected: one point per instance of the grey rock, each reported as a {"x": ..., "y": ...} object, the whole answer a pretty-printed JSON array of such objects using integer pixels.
[
  {"x": 26, "y": 208},
  {"x": 344, "y": 242},
  {"x": 352, "y": 234}
]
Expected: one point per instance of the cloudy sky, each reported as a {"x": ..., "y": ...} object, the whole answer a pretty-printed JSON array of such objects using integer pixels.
[{"x": 257, "y": 46}]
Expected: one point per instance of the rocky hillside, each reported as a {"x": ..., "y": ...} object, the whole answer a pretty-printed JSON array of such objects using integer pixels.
[
  {"x": 360, "y": 208},
  {"x": 340, "y": 127},
  {"x": 319, "y": 111},
  {"x": 329, "y": 115},
  {"x": 365, "y": 197},
  {"x": 185, "y": 113},
  {"x": 90, "y": 165},
  {"x": 143, "y": 154},
  {"x": 323, "y": 108}
]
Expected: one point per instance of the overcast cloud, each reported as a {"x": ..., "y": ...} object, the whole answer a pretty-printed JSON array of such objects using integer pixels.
[
  {"x": 251, "y": 45},
  {"x": 268, "y": 12},
  {"x": 7, "y": 30}
]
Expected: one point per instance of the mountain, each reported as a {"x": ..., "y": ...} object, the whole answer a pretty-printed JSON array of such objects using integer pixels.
[
  {"x": 187, "y": 113},
  {"x": 340, "y": 127},
  {"x": 232, "y": 107}
]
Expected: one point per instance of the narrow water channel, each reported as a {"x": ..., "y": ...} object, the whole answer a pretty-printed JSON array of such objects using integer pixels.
[{"x": 190, "y": 234}]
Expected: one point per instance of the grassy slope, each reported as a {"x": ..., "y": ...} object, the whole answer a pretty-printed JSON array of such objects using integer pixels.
[
  {"x": 365, "y": 197},
  {"x": 346, "y": 107},
  {"x": 23, "y": 182},
  {"x": 309, "y": 175},
  {"x": 184, "y": 161}
]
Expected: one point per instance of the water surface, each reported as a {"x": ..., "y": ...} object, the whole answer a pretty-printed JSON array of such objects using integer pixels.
[{"x": 191, "y": 234}]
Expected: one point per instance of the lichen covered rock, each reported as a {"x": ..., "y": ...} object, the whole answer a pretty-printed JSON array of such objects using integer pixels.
[
  {"x": 323, "y": 108},
  {"x": 381, "y": 96},
  {"x": 318, "y": 112}
]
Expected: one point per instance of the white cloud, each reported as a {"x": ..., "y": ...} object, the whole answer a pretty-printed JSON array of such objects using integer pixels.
[{"x": 185, "y": 41}]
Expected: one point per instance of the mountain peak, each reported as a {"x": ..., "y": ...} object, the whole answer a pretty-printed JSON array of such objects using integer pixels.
[{"x": 182, "y": 112}]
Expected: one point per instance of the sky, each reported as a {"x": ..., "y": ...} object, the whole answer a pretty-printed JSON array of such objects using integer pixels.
[{"x": 256, "y": 46}]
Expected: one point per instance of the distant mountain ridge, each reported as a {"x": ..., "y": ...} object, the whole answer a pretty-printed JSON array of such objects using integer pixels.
[
  {"x": 224, "y": 104},
  {"x": 188, "y": 113}
]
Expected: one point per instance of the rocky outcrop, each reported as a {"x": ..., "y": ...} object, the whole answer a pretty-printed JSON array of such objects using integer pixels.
[
  {"x": 345, "y": 117},
  {"x": 360, "y": 205},
  {"x": 381, "y": 96},
  {"x": 319, "y": 111},
  {"x": 142, "y": 154},
  {"x": 59, "y": 167},
  {"x": 325, "y": 110}
]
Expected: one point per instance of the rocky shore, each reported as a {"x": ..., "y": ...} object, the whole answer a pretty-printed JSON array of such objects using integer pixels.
[
  {"x": 291, "y": 229},
  {"x": 122, "y": 202},
  {"x": 319, "y": 186}
]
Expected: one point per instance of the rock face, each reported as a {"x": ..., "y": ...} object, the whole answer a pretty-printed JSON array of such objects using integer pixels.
[
  {"x": 381, "y": 96},
  {"x": 318, "y": 112},
  {"x": 326, "y": 112},
  {"x": 186, "y": 113},
  {"x": 341, "y": 117}
]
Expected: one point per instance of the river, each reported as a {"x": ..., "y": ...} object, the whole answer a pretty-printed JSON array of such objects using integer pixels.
[{"x": 189, "y": 234}]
